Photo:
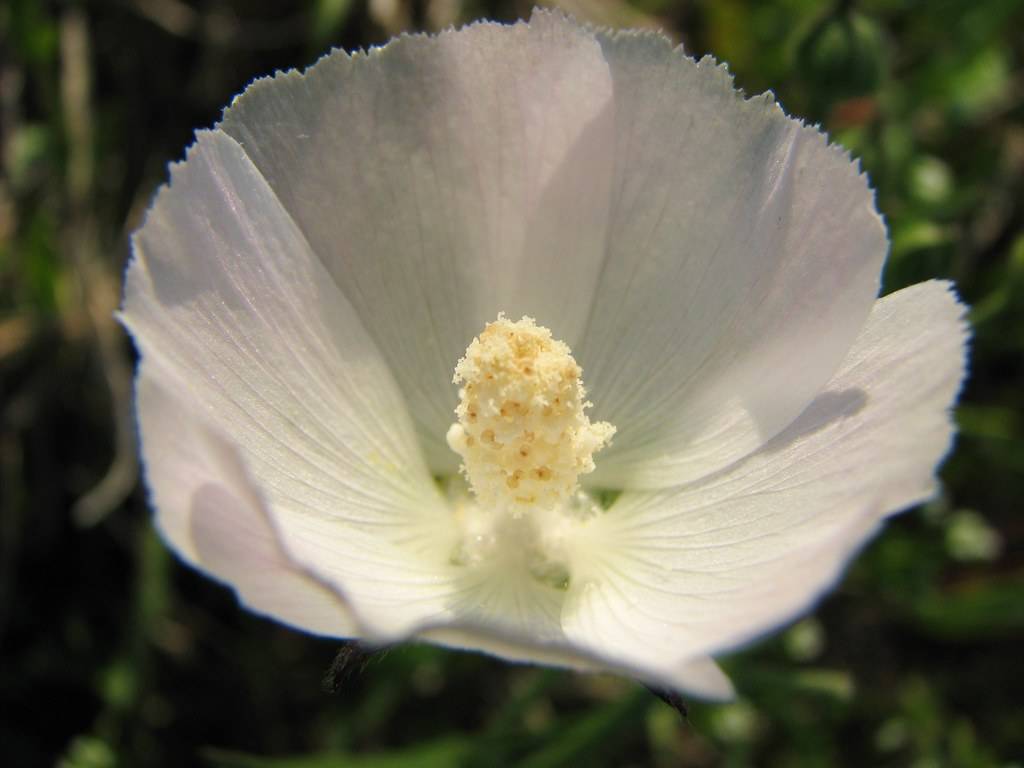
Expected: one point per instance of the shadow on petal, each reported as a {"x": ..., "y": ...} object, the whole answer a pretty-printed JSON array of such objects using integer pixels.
[
  {"x": 237, "y": 544},
  {"x": 826, "y": 409}
]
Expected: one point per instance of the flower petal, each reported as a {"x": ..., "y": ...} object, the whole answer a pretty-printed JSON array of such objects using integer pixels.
[
  {"x": 225, "y": 295},
  {"x": 211, "y": 511},
  {"x": 700, "y": 677},
  {"x": 234, "y": 315},
  {"x": 743, "y": 257},
  {"x": 208, "y": 508},
  {"x": 708, "y": 566},
  {"x": 443, "y": 180},
  {"x": 494, "y": 618}
]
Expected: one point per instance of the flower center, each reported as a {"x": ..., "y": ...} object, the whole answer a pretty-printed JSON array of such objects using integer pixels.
[{"x": 522, "y": 432}]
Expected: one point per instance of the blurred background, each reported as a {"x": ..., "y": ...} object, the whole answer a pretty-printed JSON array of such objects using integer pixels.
[{"x": 113, "y": 654}]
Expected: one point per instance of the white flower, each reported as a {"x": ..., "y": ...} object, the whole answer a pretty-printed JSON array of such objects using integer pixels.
[{"x": 302, "y": 291}]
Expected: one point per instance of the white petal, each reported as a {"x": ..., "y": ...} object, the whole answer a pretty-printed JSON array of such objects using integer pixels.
[
  {"x": 703, "y": 677},
  {"x": 700, "y": 677},
  {"x": 225, "y": 295},
  {"x": 510, "y": 616},
  {"x": 743, "y": 257},
  {"x": 277, "y": 446},
  {"x": 708, "y": 566},
  {"x": 443, "y": 180},
  {"x": 210, "y": 512}
]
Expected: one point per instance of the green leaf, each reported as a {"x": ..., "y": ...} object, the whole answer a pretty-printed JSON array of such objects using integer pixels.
[
  {"x": 843, "y": 56},
  {"x": 442, "y": 753},
  {"x": 594, "y": 732},
  {"x": 976, "y": 610}
]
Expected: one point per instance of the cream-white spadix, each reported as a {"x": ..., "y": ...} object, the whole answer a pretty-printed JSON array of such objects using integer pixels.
[{"x": 304, "y": 289}]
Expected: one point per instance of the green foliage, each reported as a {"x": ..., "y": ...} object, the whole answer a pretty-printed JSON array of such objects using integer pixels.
[
  {"x": 843, "y": 56},
  {"x": 445, "y": 753},
  {"x": 115, "y": 655}
]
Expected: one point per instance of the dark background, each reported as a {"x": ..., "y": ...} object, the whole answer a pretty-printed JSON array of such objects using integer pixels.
[{"x": 112, "y": 654}]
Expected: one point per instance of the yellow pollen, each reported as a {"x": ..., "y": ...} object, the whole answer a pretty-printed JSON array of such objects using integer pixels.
[{"x": 522, "y": 432}]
